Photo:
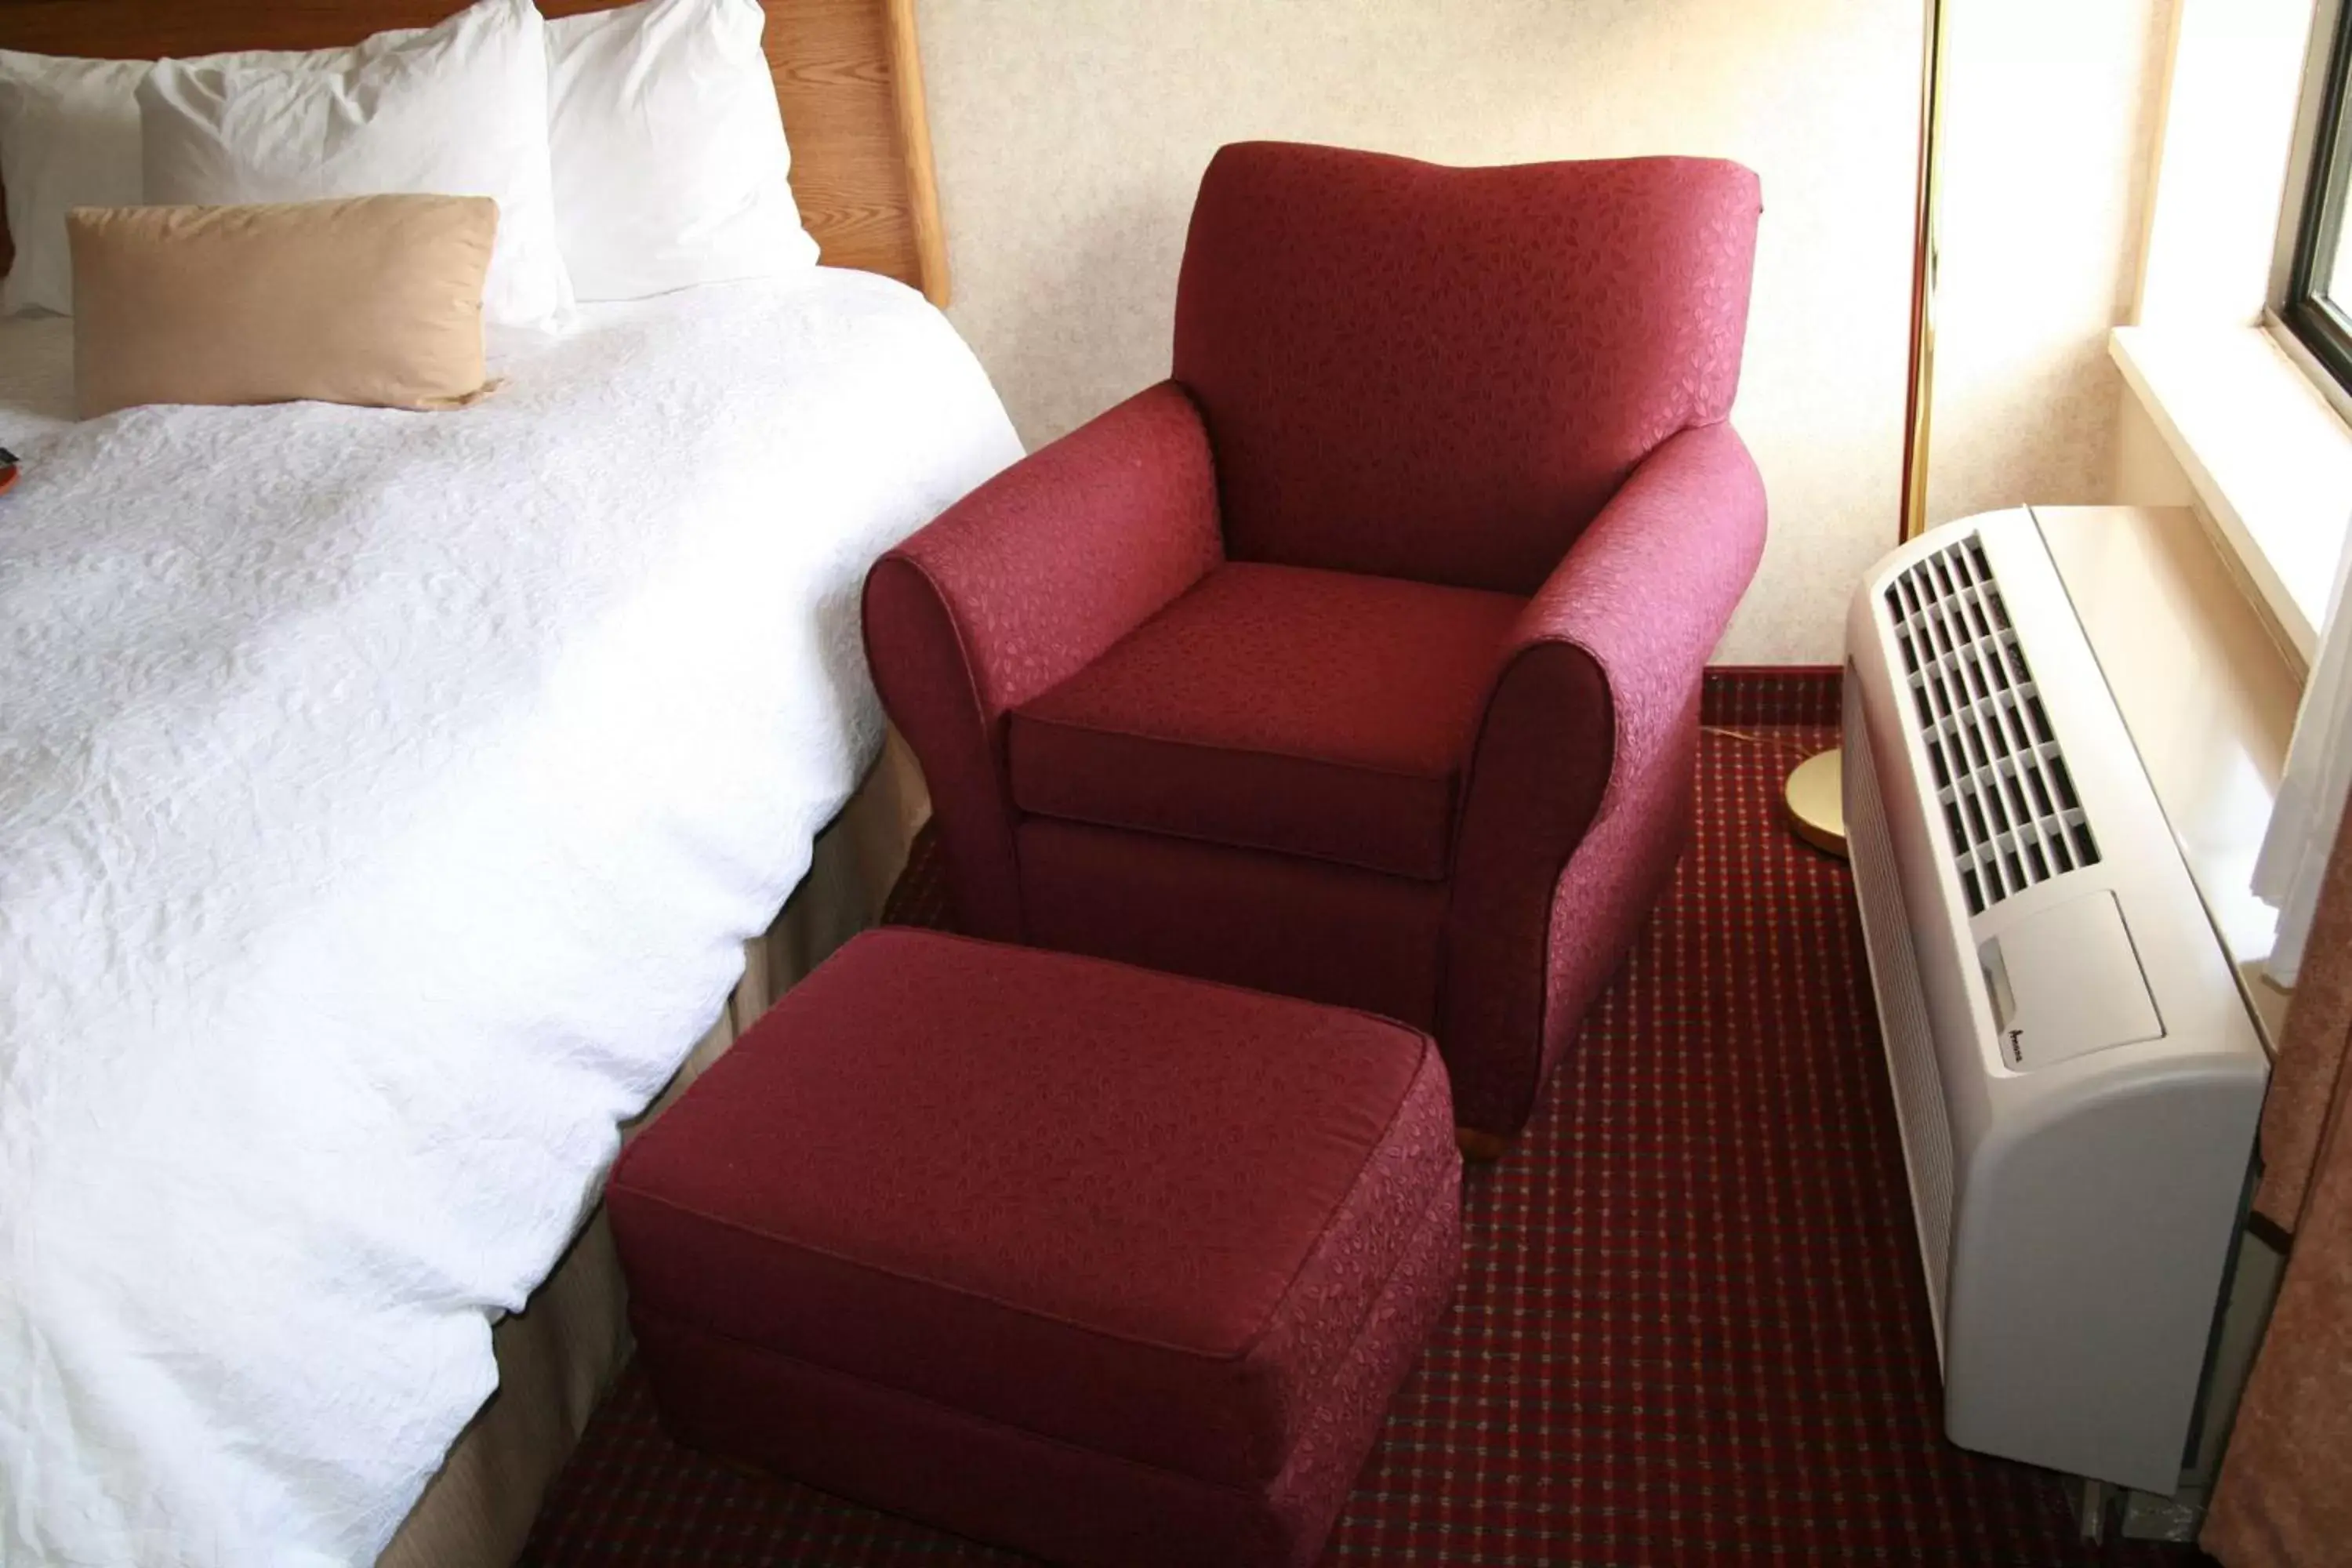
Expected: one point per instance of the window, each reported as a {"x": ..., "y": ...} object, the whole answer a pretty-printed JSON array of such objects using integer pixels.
[{"x": 2318, "y": 304}]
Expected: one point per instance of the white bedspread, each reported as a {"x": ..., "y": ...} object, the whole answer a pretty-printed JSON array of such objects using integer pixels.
[{"x": 384, "y": 800}]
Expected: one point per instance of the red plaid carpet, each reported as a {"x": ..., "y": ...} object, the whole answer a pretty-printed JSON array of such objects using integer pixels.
[{"x": 1690, "y": 1326}]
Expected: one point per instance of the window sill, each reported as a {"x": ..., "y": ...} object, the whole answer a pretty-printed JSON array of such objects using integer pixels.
[{"x": 2270, "y": 461}]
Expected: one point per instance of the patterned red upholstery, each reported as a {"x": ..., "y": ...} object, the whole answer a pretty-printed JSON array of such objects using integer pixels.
[
  {"x": 1442, "y": 374},
  {"x": 1276, "y": 923},
  {"x": 1406, "y": 392},
  {"x": 1317, "y": 713},
  {"x": 1016, "y": 588},
  {"x": 1579, "y": 793},
  {"x": 988, "y": 1223}
]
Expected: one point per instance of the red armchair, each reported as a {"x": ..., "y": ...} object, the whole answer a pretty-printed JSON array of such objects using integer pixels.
[{"x": 1360, "y": 660}]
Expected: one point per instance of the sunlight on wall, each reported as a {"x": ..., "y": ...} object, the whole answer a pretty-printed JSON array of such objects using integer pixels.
[
  {"x": 2049, "y": 125},
  {"x": 2228, "y": 121}
]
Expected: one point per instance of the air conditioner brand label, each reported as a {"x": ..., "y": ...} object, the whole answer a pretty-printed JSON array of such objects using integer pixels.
[{"x": 2068, "y": 976}]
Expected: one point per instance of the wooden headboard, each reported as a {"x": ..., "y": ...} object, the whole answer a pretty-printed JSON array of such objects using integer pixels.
[{"x": 847, "y": 73}]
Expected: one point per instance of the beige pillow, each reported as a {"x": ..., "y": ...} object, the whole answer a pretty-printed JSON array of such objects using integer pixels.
[{"x": 374, "y": 300}]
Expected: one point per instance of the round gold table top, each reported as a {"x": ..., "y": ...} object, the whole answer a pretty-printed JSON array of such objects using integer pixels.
[{"x": 1816, "y": 797}]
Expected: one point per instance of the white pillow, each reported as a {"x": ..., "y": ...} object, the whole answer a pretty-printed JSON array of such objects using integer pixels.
[
  {"x": 459, "y": 110},
  {"x": 669, "y": 150},
  {"x": 69, "y": 138}
]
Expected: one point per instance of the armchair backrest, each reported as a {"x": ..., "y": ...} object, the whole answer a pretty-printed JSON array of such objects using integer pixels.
[{"x": 1442, "y": 373}]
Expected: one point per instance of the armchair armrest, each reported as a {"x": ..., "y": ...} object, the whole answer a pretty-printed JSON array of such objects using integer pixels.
[
  {"x": 1019, "y": 586},
  {"x": 1576, "y": 756}
]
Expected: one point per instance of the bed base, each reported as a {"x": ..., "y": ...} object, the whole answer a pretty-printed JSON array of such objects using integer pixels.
[{"x": 559, "y": 1356}]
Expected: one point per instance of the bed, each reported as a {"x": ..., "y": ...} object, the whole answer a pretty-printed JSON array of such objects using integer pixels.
[{"x": 382, "y": 848}]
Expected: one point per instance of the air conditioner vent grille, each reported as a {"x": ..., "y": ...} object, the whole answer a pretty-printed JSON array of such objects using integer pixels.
[{"x": 2007, "y": 800}]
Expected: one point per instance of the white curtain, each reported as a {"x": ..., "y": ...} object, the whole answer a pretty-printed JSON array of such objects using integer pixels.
[{"x": 2311, "y": 797}]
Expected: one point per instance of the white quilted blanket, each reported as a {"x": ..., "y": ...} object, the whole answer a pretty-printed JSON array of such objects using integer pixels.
[{"x": 384, "y": 800}]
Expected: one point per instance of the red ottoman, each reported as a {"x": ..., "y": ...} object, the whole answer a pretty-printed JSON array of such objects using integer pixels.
[{"x": 1103, "y": 1264}]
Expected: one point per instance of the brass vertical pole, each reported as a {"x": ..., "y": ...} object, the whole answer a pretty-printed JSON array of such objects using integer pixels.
[
  {"x": 1919, "y": 403},
  {"x": 1816, "y": 790}
]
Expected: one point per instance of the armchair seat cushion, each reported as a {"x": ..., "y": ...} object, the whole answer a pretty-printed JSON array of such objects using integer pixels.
[{"x": 1315, "y": 714}]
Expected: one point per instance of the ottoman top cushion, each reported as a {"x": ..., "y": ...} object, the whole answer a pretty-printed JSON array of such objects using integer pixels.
[{"x": 1118, "y": 1206}]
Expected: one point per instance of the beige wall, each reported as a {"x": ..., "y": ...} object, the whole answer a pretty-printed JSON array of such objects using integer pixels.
[
  {"x": 1070, "y": 134},
  {"x": 2049, "y": 121}
]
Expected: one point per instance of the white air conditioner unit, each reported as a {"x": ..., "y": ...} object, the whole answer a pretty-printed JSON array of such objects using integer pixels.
[{"x": 2074, "y": 1070}]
